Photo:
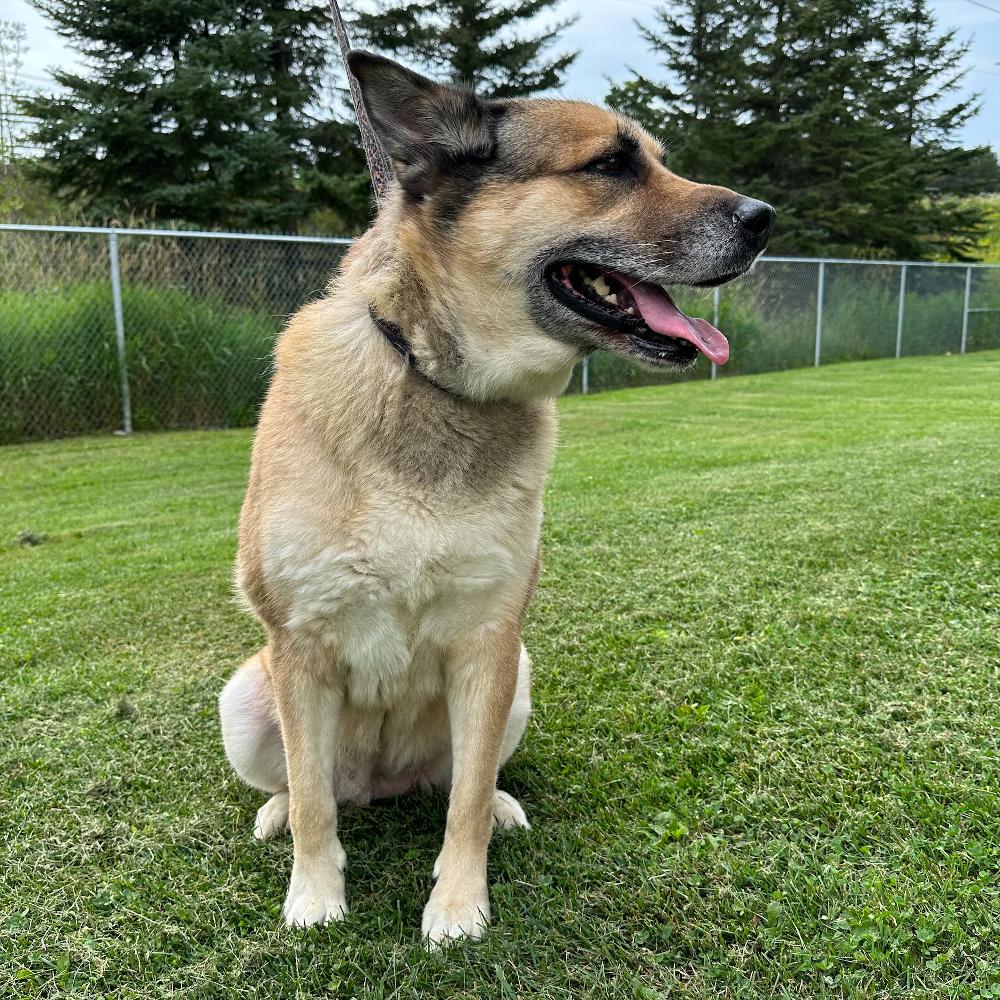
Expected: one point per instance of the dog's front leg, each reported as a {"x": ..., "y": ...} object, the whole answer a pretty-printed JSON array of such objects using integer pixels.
[
  {"x": 480, "y": 680},
  {"x": 307, "y": 707}
]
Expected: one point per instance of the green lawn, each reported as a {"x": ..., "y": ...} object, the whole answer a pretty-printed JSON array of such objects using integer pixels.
[{"x": 764, "y": 756}]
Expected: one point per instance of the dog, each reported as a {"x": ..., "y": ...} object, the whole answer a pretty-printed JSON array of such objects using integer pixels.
[{"x": 389, "y": 539}]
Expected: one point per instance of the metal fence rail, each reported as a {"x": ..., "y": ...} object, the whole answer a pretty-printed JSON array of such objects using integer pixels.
[{"x": 114, "y": 329}]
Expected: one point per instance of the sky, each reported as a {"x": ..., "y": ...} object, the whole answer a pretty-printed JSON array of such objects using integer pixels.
[{"x": 609, "y": 45}]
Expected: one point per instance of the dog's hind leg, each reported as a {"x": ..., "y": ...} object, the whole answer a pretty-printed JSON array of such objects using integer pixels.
[
  {"x": 507, "y": 811},
  {"x": 251, "y": 734},
  {"x": 272, "y": 817}
]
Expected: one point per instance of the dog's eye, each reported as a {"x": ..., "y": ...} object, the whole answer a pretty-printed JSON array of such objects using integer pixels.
[{"x": 615, "y": 165}]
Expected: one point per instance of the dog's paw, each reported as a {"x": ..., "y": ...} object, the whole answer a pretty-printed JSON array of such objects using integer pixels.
[
  {"x": 316, "y": 897},
  {"x": 507, "y": 812},
  {"x": 450, "y": 917},
  {"x": 272, "y": 817}
]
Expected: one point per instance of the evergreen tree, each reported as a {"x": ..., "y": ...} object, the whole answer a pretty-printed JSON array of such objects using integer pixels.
[
  {"x": 197, "y": 110},
  {"x": 980, "y": 175},
  {"x": 831, "y": 110},
  {"x": 706, "y": 45},
  {"x": 469, "y": 41},
  {"x": 814, "y": 135},
  {"x": 925, "y": 69},
  {"x": 922, "y": 108}
]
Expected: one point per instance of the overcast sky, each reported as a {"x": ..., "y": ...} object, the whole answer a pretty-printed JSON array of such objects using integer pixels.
[{"x": 609, "y": 45}]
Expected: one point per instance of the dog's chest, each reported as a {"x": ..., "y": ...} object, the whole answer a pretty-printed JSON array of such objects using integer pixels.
[{"x": 388, "y": 598}]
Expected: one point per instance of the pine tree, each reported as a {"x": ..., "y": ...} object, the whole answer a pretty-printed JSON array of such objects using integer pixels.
[
  {"x": 197, "y": 110},
  {"x": 926, "y": 70},
  {"x": 830, "y": 110},
  {"x": 704, "y": 43},
  {"x": 814, "y": 134},
  {"x": 469, "y": 41},
  {"x": 980, "y": 175}
]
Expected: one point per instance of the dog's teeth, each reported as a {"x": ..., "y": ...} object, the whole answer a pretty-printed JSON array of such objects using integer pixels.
[
  {"x": 601, "y": 286},
  {"x": 612, "y": 298},
  {"x": 631, "y": 310}
]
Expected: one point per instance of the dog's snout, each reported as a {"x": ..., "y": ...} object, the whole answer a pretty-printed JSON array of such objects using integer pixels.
[{"x": 755, "y": 218}]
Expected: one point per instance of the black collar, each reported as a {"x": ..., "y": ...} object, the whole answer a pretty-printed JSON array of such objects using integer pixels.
[{"x": 395, "y": 336}]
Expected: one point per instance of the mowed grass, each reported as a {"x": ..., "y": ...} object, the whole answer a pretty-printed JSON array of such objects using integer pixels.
[{"x": 763, "y": 760}]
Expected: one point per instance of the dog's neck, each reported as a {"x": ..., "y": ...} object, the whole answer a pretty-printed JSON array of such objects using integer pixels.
[
  {"x": 401, "y": 274},
  {"x": 448, "y": 439}
]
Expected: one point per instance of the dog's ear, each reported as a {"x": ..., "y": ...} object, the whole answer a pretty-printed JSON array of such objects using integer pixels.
[{"x": 423, "y": 125}]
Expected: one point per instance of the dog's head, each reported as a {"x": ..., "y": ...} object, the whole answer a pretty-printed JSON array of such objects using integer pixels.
[{"x": 545, "y": 229}]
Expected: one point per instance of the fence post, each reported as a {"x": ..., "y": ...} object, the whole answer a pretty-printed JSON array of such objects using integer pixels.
[
  {"x": 819, "y": 312},
  {"x": 585, "y": 376},
  {"x": 965, "y": 309},
  {"x": 902, "y": 311},
  {"x": 116, "y": 299},
  {"x": 715, "y": 323}
]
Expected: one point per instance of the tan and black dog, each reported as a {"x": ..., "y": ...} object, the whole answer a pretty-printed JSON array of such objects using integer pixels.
[{"x": 389, "y": 541}]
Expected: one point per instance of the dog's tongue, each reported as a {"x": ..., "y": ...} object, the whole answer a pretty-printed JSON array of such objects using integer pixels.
[{"x": 664, "y": 317}]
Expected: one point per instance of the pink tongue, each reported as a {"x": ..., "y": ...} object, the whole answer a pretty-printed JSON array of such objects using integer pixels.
[{"x": 664, "y": 317}]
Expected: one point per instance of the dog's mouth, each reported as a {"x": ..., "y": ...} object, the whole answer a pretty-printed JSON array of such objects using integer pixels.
[{"x": 636, "y": 317}]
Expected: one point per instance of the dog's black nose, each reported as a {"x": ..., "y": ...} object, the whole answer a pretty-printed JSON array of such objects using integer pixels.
[{"x": 755, "y": 217}]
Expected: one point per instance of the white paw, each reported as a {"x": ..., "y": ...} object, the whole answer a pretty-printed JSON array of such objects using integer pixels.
[
  {"x": 507, "y": 812},
  {"x": 272, "y": 817},
  {"x": 318, "y": 897},
  {"x": 450, "y": 917}
]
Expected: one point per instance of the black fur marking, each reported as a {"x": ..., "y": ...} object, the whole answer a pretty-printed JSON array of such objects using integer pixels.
[
  {"x": 462, "y": 177},
  {"x": 458, "y": 182}
]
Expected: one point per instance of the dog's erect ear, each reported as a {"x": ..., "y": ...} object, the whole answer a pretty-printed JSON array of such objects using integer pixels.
[{"x": 423, "y": 125}]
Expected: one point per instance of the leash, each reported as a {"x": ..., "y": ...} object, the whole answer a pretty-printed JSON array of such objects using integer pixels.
[
  {"x": 379, "y": 165},
  {"x": 395, "y": 336}
]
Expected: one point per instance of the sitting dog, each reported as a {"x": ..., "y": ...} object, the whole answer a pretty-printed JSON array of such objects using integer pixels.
[{"x": 389, "y": 540}]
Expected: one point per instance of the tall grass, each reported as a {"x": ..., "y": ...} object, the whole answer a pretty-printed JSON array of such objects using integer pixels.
[{"x": 191, "y": 362}]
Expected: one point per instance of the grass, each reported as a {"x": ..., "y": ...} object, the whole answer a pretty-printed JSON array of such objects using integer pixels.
[
  {"x": 192, "y": 361},
  {"x": 763, "y": 761}
]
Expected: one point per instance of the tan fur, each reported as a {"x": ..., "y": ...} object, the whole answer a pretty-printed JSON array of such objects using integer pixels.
[
  {"x": 366, "y": 480},
  {"x": 389, "y": 540}
]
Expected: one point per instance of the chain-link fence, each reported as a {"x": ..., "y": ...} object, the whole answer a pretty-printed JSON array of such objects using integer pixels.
[
  {"x": 120, "y": 329},
  {"x": 104, "y": 329},
  {"x": 794, "y": 312}
]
